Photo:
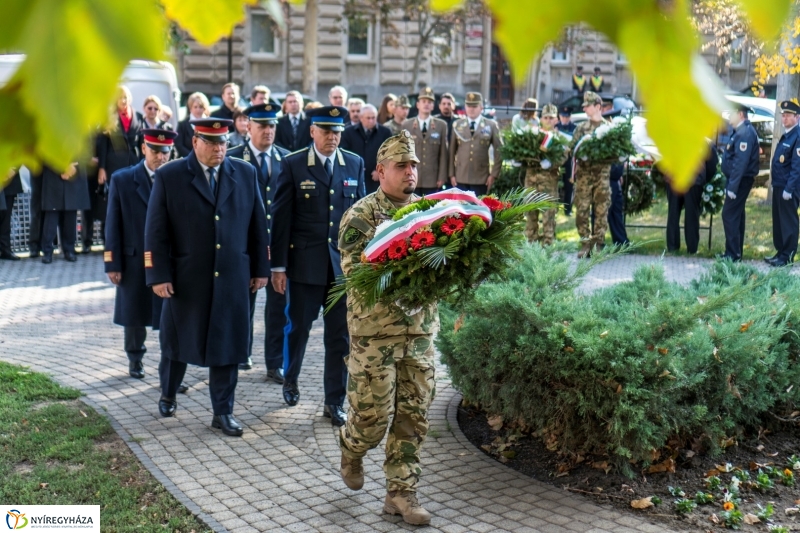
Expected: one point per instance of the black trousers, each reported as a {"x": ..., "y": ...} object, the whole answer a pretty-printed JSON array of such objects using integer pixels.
[
  {"x": 67, "y": 220},
  {"x": 134, "y": 343},
  {"x": 616, "y": 214},
  {"x": 5, "y": 224},
  {"x": 221, "y": 383},
  {"x": 569, "y": 188},
  {"x": 785, "y": 227},
  {"x": 35, "y": 229},
  {"x": 733, "y": 219},
  {"x": 275, "y": 321},
  {"x": 477, "y": 189},
  {"x": 303, "y": 303},
  {"x": 691, "y": 226}
]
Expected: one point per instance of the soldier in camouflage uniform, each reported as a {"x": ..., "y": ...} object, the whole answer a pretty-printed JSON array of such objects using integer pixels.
[
  {"x": 401, "y": 107},
  {"x": 391, "y": 362},
  {"x": 546, "y": 181},
  {"x": 591, "y": 182}
]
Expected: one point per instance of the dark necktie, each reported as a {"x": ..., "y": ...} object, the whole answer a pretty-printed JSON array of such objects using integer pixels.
[
  {"x": 294, "y": 127},
  {"x": 424, "y": 128},
  {"x": 329, "y": 167},
  {"x": 472, "y": 127},
  {"x": 264, "y": 167},
  {"x": 212, "y": 182}
]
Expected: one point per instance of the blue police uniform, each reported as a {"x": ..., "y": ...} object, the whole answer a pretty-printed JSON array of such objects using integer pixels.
[
  {"x": 568, "y": 186},
  {"x": 740, "y": 166},
  {"x": 786, "y": 178},
  {"x": 274, "y": 313},
  {"x": 208, "y": 237},
  {"x": 311, "y": 198},
  {"x": 136, "y": 306}
]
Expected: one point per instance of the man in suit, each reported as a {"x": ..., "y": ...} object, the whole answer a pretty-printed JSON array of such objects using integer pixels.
[
  {"x": 430, "y": 140},
  {"x": 261, "y": 152},
  {"x": 365, "y": 140},
  {"x": 469, "y": 149},
  {"x": 740, "y": 166},
  {"x": 786, "y": 188},
  {"x": 293, "y": 129},
  {"x": 316, "y": 186},
  {"x": 205, "y": 251},
  {"x": 9, "y": 193},
  {"x": 230, "y": 103},
  {"x": 136, "y": 306}
]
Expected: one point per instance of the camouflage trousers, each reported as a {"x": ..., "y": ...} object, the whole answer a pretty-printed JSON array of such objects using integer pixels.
[
  {"x": 389, "y": 376},
  {"x": 545, "y": 181},
  {"x": 592, "y": 188}
]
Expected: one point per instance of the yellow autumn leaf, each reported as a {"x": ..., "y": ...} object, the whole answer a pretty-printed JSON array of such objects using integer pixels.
[
  {"x": 644, "y": 503},
  {"x": 744, "y": 327},
  {"x": 207, "y": 22},
  {"x": 445, "y": 5}
]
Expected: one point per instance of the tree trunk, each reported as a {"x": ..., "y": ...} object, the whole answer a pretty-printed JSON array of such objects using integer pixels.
[
  {"x": 424, "y": 35},
  {"x": 788, "y": 87},
  {"x": 310, "y": 48}
]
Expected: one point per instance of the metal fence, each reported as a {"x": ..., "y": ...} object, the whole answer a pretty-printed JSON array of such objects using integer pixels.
[{"x": 21, "y": 222}]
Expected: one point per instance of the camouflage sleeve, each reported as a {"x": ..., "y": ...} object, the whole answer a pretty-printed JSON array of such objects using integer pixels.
[{"x": 354, "y": 233}]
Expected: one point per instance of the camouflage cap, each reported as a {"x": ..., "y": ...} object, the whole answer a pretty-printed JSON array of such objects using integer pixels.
[
  {"x": 398, "y": 148},
  {"x": 473, "y": 99},
  {"x": 402, "y": 101},
  {"x": 549, "y": 110},
  {"x": 590, "y": 98},
  {"x": 426, "y": 93}
]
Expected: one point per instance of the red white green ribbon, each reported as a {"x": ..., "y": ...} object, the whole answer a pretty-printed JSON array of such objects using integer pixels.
[
  {"x": 455, "y": 194},
  {"x": 547, "y": 140},
  {"x": 404, "y": 228}
]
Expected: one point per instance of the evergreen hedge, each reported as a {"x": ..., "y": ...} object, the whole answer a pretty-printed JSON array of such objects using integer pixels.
[{"x": 624, "y": 370}]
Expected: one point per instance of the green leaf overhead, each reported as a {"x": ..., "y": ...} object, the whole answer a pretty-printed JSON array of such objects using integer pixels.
[
  {"x": 208, "y": 21},
  {"x": 767, "y": 17}
]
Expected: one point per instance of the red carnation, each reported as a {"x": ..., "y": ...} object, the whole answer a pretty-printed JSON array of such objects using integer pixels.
[
  {"x": 398, "y": 249},
  {"x": 452, "y": 225},
  {"x": 382, "y": 258},
  {"x": 423, "y": 239},
  {"x": 492, "y": 203}
]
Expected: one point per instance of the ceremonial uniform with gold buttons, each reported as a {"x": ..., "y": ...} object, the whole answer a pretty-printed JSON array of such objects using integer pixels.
[
  {"x": 206, "y": 234},
  {"x": 430, "y": 140},
  {"x": 469, "y": 150},
  {"x": 785, "y": 172},
  {"x": 313, "y": 193},
  {"x": 268, "y": 171}
]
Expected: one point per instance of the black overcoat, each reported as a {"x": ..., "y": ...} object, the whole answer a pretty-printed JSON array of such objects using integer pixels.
[{"x": 64, "y": 195}]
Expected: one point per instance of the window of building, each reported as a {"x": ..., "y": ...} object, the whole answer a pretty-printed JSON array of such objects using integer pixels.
[
  {"x": 263, "y": 36},
  {"x": 443, "y": 44},
  {"x": 560, "y": 54},
  {"x": 737, "y": 53},
  {"x": 359, "y": 38}
]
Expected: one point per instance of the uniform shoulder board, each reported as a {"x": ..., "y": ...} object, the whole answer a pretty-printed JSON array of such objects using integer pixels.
[
  {"x": 349, "y": 152},
  {"x": 300, "y": 151},
  {"x": 234, "y": 147}
]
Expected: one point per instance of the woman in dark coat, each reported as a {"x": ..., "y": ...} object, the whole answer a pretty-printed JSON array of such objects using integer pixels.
[
  {"x": 197, "y": 106},
  {"x": 119, "y": 146},
  {"x": 62, "y": 196}
]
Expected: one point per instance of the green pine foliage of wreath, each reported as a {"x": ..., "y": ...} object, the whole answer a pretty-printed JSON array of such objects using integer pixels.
[
  {"x": 525, "y": 147},
  {"x": 640, "y": 189},
  {"x": 613, "y": 147}
]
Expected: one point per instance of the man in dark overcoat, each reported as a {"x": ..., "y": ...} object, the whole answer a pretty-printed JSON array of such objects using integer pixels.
[
  {"x": 63, "y": 194},
  {"x": 136, "y": 306},
  {"x": 316, "y": 186},
  {"x": 267, "y": 157},
  {"x": 205, "y": 251},
  {"x": 9, "y": 193}
]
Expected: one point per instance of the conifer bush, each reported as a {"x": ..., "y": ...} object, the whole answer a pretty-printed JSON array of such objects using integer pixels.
[{"x": 626, "y": 369}]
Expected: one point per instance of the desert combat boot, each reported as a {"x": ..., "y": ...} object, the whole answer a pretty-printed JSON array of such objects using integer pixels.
[
  {"x": 406, "y": 505},
  {"x": 352, "y": 471}
]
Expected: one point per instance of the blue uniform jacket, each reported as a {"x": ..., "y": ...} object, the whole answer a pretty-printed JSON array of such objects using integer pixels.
[
  {"x": 307, "y": 211},
  {"x": 136, "y": 305},
  {"x": 740, "y": 158},
  {"x": 267, "y": 185},
  {"x": 209, "y": 250},
  {"x": 786, "y": 162}
]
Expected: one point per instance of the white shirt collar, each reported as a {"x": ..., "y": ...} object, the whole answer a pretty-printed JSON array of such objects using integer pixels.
[
  {"x": 205, "y": 169},
  {"x": 790, "y": 129},
  {"x": 150, "y": 173},
  {"x": 427, "y": 122},
  {"x": 323, "y": 158}
]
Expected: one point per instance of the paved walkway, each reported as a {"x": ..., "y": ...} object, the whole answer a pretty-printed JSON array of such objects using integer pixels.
[{"x": 283, "y": 474}]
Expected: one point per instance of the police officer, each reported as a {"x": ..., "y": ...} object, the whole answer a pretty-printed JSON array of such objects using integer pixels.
[
  {"x": 135, "y": 306},
  {"x": 430, "y": 139},
  {"x": 740, "y": 166},
  {"x": 391, "y": 362},
  {"x": 316, "y": 186},
  {"x": 565, "y": 125},
  {"x": 469, "y": 151},
  {"x": 267, "y": 158},
  {"x": 205, "y": 251},
  {"x": 63, "y": 194},
  {"x": 786, "y": 188}
]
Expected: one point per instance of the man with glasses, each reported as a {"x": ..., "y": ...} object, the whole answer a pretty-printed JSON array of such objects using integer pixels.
[{"x": 205, "y": 251}]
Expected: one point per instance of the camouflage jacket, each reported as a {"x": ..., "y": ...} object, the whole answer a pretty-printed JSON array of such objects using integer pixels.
[
  {"x": 356, "y": 230},
  {"x": 393, "y": 126},
  {"x": 586, "y": 127}
]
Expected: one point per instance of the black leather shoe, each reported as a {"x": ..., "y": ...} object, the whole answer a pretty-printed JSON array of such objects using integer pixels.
[
  {"x": 247, "y": 365},
  {"x": 10, "y": 256},
  {"x": 183, "y": 388},
  {"x": 70, "y": 256},
  {"x": 167, "y": 406},
  {"x": 778, "y": 263},
  {"x": 275, "y": 375},
  {"x": 291, "y": 393},
  {"x": 336, "y": 414},
  {"x": 35, "y": 252},
  {"x": 47, "y": 259},
  {"x": 227, "y": 424},
  {"x": 769, "y": 260},
  {"x": 136, "y": 369}
]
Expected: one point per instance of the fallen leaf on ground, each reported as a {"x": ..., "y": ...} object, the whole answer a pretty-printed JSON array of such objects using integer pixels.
[
  {"x": 751, "y": 519},
  {"x": 495, "y": 422},
  {"x": 791, "y": 510},
  {"x": 644, "y": 503},
  {"x": 667, "y": 465},
  {"x": 43, "y": 485},
  {"x": 727, "y": 467},
  {"x": 714, "y": 518},
  {"x": 744, "y": 327},
  {"x": 84, "y": 414}
]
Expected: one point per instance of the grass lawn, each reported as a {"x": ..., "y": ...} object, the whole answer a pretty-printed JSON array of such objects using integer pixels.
[
  {"x": 758, "y": 230},
  {"x": 55, "y": 450}
]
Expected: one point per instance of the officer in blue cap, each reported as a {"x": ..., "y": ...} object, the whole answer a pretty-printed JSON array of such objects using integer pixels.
[
  {"x": 267, "y": 157},
  {"x": 316, "y": 186},
  {"x": 786, "y": 188}
]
